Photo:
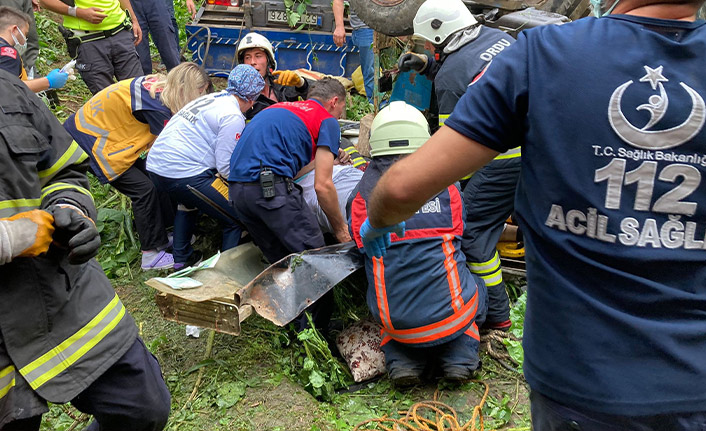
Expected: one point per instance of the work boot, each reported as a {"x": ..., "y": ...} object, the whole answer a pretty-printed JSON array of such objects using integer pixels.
[
  {"x": 404, "y": 377},
  {"x": 458, "y": 374}
]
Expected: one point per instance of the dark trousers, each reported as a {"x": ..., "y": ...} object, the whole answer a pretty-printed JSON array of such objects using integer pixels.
[
  {"x": 101, "y": 60},
  {"x": 489, "y": 199},
  {"x": 280, "y": 226},
  {"x": 185, "y": 221},
  {"x": 153, "y": 210},
  {"x": 170, "y": 9},
  {"x": 155, "y": 21},
  {"x": 130, "y": 395},
  {"x": 549, "y": 415}
]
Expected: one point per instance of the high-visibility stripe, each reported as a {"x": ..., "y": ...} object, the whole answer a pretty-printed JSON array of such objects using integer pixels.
[
  {"x": 61, "y": 357},
  {"x": 472, "y": 332},
  {"x": 98, "y": 148},
  {"x": 381, "y": 292},
  {"x": 510, "y": 154},
  {"x": 221, "y": 187},
  {"x": 7, "y": 380},
  {"x": 452, "y": 272},
  {"x": 385, "y": 339},
  {"x": 487, "y": 266},
  {"x": 137, "y": 93},
  {"x": 493, "y": 279},
  {"x": 73, "y": 154},
  {"x": 46, "y": 191},
  {"x": 11, "y": 207},
  {"x": 441, "y": 329},
  {"x": 443, "y": 118}
]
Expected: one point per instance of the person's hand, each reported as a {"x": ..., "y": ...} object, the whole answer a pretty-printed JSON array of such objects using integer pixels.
[
  {"x": 27, "y": 234},
  {"x": 76, "y": 232},
  {"x": 343, "y": 158},
  {"x": 94, "y": 15},
  {"x": 191, "y": 7},
  {"x": 339, "y": 36},
  {"x": 57, "y": 78},
  {"x": 35, "y": 6},
  {"x": 377, "y": 240},
  {"x": 412, "y": 61},
  {"x": 288, "y": 78},
  {"x": 342, "y": 235},
  {"x": 136, "y": 33}
]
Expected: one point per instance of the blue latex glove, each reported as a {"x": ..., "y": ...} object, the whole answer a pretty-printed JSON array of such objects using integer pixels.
[
  {"x": 57, "y": 78},
  {"x": 377, "y": 240}
]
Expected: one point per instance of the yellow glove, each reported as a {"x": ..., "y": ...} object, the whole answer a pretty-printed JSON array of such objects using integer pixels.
[
  {"x": 27, "y": 234},
  {"x": 288, "y": 78}
]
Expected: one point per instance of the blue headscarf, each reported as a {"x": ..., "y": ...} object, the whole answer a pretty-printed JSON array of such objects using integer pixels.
[{"x": 245, "y": 82}]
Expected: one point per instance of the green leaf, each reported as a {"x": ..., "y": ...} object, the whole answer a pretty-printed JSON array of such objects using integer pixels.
[{"x": 229, "y": 394}]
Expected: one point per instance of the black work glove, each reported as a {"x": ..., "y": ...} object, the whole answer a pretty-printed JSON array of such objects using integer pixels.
[
  {"x": 412, "y": 61},
  {"x": 75, "y": 232}
]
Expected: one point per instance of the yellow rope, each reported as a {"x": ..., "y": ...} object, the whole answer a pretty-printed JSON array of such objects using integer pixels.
[{"x": 417, "y": 418}]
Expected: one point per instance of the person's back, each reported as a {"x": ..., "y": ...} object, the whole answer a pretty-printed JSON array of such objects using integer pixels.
[{"x": 611, "y": 205}]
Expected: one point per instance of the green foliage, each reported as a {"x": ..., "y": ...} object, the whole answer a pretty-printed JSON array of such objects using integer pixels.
[
  {"x": 315, "y": 368},
  {"x": 357, "y": 107},
  {"x": 295, "y": 10},
  {"x": 517, "y": 315}
]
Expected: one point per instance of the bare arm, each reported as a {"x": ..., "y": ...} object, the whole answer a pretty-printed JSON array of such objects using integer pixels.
[
  {"x": 136, "y": 30},
  {"x": 409, "y": 183},
  {"x": 37, "y": 85},
  {"x": 326, "y": 193},
  {"x": 93, "y": 15},
  {"x": 339, "y": 31}
]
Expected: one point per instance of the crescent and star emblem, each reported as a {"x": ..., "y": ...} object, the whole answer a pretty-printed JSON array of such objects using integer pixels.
[{"x": 644, "y": 137}]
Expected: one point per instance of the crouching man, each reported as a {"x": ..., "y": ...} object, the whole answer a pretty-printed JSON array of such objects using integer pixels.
[{"x": 422, "y": 293}]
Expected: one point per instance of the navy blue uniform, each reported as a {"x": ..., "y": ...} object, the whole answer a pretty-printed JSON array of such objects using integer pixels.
[{"x": 612, "y": 204}]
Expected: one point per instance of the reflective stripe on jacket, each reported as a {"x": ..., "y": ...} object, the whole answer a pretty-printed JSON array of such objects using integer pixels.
[
  {"x": 421, "y": 292},
  {"x": 62, "y": 325}
]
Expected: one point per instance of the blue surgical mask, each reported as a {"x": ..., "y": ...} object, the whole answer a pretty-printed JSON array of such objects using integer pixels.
[{"x": 20, "y": 47}]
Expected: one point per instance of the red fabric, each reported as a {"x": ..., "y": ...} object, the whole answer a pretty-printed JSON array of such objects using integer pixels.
[
  {"x": 8, "y": 51},
  {"x": 311, "y": 113}
]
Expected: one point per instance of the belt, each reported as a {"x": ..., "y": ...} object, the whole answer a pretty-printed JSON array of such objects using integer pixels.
[
  {"x": 98, "y": 35},
  {"x": 278, "y": 179}
]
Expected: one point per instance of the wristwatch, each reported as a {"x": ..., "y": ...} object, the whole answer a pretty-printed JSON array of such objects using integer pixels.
[{"x": 72, "y": 10}]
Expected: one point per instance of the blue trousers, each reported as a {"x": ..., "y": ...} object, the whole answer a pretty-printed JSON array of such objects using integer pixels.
[
  {"x": 489, "y": 199},
  {"x": 170, "y": 9},
  {"x": 549, "y": 415},
  {"x": 130, "y": 395},
  {"x": 363, "y": 39},
  {"x": 156, "y": 21},
  {"x": 187, "y": 212}
]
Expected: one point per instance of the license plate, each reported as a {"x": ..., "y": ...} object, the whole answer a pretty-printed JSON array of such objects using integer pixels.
[{"x": 281, "y": 16}]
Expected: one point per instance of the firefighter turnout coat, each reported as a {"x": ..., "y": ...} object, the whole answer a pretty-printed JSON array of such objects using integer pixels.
[
  {"x": 421, "y": 292},
  {"x": 61, "y": 325}
]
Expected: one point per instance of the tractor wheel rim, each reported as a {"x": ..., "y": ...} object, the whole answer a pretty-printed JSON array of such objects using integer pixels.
[{"x": 388, "y": 3}]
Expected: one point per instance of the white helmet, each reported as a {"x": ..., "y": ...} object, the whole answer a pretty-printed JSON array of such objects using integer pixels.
[
  {"x": 436, "y": 20},
  {"x": 255, "y": 40},
  {"x": 398, "y": 128}
]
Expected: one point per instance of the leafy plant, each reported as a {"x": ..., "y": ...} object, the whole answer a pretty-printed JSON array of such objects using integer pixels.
[
  {"x": 517, "y": 315},
  {"x": 315, "y": 368},
  {"x": 296, "y": 9}
]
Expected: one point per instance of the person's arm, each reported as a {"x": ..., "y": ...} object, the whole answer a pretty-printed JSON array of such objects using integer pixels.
[
  {"x": 326, "y": 193},
  {"x": 136, "y": 30},
  {"x": 229, "y": 129},
  {"x": 409, "y": 183},
  {"x": 339, "y": 32},
  {"x": 93, "y": 15},
  {"x": 55, "y": 79},
  {"x": 191, "y": 7}
]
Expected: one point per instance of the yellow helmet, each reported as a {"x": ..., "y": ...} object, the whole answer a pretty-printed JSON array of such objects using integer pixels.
[{"x": 399, "y": 128}]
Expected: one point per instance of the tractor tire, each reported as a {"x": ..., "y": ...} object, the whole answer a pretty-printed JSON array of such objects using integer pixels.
[
  {"x": 573, "y": 9},
  {"x": 389, "y": 17}
]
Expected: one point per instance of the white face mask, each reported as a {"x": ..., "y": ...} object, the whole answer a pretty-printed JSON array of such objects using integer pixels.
[{"x": 20, "y": 47}]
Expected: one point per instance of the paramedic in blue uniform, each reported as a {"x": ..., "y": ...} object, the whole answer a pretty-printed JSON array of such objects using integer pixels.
[
  {"x": 422, "y": 293},
  {"x": 273, "y": 148},
  {"x": 466, "y": 48},
  {"x": 610, "y": 113}
]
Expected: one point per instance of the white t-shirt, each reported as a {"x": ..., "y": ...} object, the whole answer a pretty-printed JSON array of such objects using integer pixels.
[
  {"x": 201, "y": 136},
  {"x": 345, "y": 178}
]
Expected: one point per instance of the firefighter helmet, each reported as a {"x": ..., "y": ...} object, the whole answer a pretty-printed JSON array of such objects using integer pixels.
[
  {"x": 436, "y": 20},
  {"x": 255, "y": 40},
  {"x": 398, "y": 128}
]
